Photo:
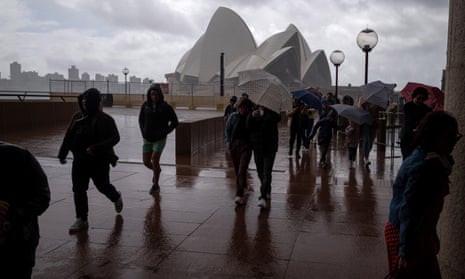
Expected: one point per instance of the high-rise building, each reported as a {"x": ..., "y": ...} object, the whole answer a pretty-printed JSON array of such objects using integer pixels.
[
  {"x": 73, "y": 73},
  {"x": 85, "y": 76},
  {"x": 15, "y": 71}
]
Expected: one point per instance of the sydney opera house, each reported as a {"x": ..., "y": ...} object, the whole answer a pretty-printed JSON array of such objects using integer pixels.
[{"x": 285, "y": 55}]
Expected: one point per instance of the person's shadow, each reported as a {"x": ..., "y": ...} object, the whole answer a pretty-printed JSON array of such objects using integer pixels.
[{"x": 239, "y": 244}]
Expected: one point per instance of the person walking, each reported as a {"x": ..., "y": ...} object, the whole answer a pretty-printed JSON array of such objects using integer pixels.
[
  {"x": 324, "y": 127},
  {"x": 230, "y": 108},
  {"x": 91, "y": 136},
  {"x": 295, "y": 127},
  {"x": 262, "y": 125},
  {"x": 418, "y": 193},
  {"x": 237, "y": 141},
  {"x": 368, "y": 131},
  {"x": 414, "y": 111},
  {"x": 308, "y": 119},
  {"x": 24, "y": 195},
  {"x": 352, "y": 134},
  {"x": 156, "y": 120}
]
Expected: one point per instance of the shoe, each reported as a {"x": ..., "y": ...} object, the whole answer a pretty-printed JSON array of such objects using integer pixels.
[
  {"x": 155, "y": 189},
  {"x": 79, "y": 225},
  {"x": 119, "y": 204},
  {"x": 367, "y": 165},
  {"x": 261, "y": 203},
  {"x": 239, "y": 200}
]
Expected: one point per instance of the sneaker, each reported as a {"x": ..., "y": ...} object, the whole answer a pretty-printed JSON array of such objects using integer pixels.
[
  {"x": 155, "y": 189},
  {"x": 239, "y": 200},
  {"x": 119, "y": 204},
  {"x": 367, "y": 165},
  {"x": 261, "y": 203},
  {"x": 79, "y": 225}
]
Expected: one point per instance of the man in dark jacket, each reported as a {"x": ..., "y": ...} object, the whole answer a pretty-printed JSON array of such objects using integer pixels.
[
  {"x": 91, "y": 137},
  {"x": 324, "y": 127},
  {"x": 24, "y": 195},
  {"x": 156, "y": 120},
  {"x": 262, "y": 125}
]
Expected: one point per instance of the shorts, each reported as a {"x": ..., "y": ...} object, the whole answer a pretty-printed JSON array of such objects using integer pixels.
[{"x": 156, "y": 146}]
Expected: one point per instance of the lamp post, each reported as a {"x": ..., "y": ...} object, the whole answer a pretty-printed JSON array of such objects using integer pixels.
[
  {"x": 126, "y": 72},
  {"x": 337, "y": 58},
  {"x": 367, "y": 40}
]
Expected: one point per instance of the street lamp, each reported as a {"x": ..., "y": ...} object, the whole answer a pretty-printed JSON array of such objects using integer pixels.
[
  {"x": 126, "y": 72},
  {"x": 367, "y": 40},
  {"x": 337, "y": 58}
]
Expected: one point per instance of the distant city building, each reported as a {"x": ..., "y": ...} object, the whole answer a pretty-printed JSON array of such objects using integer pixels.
[
  {"x": 15, "y": 71},
  {"x": 134, "y": 79},
  {"x": 73, "y": 73},
  {"x": 54, "y": 82},
  {"x": 99, "y": 77},
  {"x": 85, "y": 76},
  {"x": 112, "y": 78}
]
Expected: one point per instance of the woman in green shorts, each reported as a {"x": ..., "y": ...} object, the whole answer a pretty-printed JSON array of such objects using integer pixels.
[{"x": 156, "y": 120}]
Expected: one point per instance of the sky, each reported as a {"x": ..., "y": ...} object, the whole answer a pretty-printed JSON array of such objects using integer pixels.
[{"x": 149, "y": 37}]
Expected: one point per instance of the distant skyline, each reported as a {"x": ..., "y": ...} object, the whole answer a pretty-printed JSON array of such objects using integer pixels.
[
  {"x": 150, "y": 36},
  {"x": 73, "y": 73}
]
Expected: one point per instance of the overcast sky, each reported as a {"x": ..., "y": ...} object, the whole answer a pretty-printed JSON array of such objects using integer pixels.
[{"x": 150, "y": 36}]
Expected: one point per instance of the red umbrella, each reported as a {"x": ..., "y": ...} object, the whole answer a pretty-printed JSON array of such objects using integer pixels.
[{"x": 435, "y": 95}]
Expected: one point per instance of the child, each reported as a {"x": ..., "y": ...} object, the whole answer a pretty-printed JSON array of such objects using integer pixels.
[{"x": 352, "y": 132}]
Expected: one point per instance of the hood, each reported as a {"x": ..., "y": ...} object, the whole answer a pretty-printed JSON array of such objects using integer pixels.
[
  {"x": 92, "y": 97},
  {"x": 156, "y": 87}
]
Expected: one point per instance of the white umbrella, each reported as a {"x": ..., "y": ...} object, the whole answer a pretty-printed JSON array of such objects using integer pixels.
[
  {"x": 378, "y": 93},
  {"x": 266, "y": 90},
  {"x": 353, "y": 113}
]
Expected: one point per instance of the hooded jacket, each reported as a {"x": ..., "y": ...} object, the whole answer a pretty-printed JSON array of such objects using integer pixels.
[
  {"x": 91, "y": 128},
  {"x": 156, "y": 120},
  {"x": 25, "y": 187}
]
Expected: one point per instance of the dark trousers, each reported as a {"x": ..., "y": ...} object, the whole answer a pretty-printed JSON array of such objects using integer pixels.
[
  {"x": 241, "y": 154},
  {"x": 324, "y": 147},
  {"x": 264, "y": 162},
  {"x": 368, "y": 138},
  {"x": 352, "y": 153},
  {"x": 99, "y": 172},
  {"x": 296, "y": 134}
]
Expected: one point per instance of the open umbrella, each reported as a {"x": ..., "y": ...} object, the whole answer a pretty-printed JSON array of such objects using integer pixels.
[
  {"x": 378, "y": 93},
  {"x": 354, "y": 114},
  {"x": 266, "y": 90},
  {"x": 310, "y": 99},
  {"x": 435, "y": 95}
]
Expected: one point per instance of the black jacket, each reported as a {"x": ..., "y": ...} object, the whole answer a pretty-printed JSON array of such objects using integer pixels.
[
  {"x": 156, "y": 121},
  {"x": 25, "y": 187},
  {"x": 91, "y": 128}
]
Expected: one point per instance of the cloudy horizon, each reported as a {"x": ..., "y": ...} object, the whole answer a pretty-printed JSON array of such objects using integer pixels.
[{"x": 150, "y": 36}]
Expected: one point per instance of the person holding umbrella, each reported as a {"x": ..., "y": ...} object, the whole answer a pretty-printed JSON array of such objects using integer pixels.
[
  {"x": 414, "y": 111},
  {"x": 324, "y": 127}
]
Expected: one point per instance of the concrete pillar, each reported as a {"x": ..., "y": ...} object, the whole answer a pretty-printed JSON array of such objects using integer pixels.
[{"x": 452, "y": 223}]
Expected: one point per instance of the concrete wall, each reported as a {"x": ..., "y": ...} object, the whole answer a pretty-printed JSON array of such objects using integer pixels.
[
  {"x": 452, "y": 225},
  {"x": 193, "y": 135},
  {"x": 26, "y": 115}
]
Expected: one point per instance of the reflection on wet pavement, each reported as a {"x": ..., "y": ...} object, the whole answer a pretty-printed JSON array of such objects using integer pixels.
[{"x": 322, "y": 223}]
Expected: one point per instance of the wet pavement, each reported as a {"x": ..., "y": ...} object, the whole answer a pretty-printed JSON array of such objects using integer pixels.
[{"x": 322, "y": 223}]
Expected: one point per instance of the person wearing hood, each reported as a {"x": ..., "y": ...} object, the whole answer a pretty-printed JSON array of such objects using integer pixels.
[
  {"x": 156, "y": 120},
  {"x": 24, "y": 195},
  {"x": 91, "y": 136}
]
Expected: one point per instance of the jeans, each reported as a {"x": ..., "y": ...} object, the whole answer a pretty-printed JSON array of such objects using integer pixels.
[{"x": 264, "y": 162}]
